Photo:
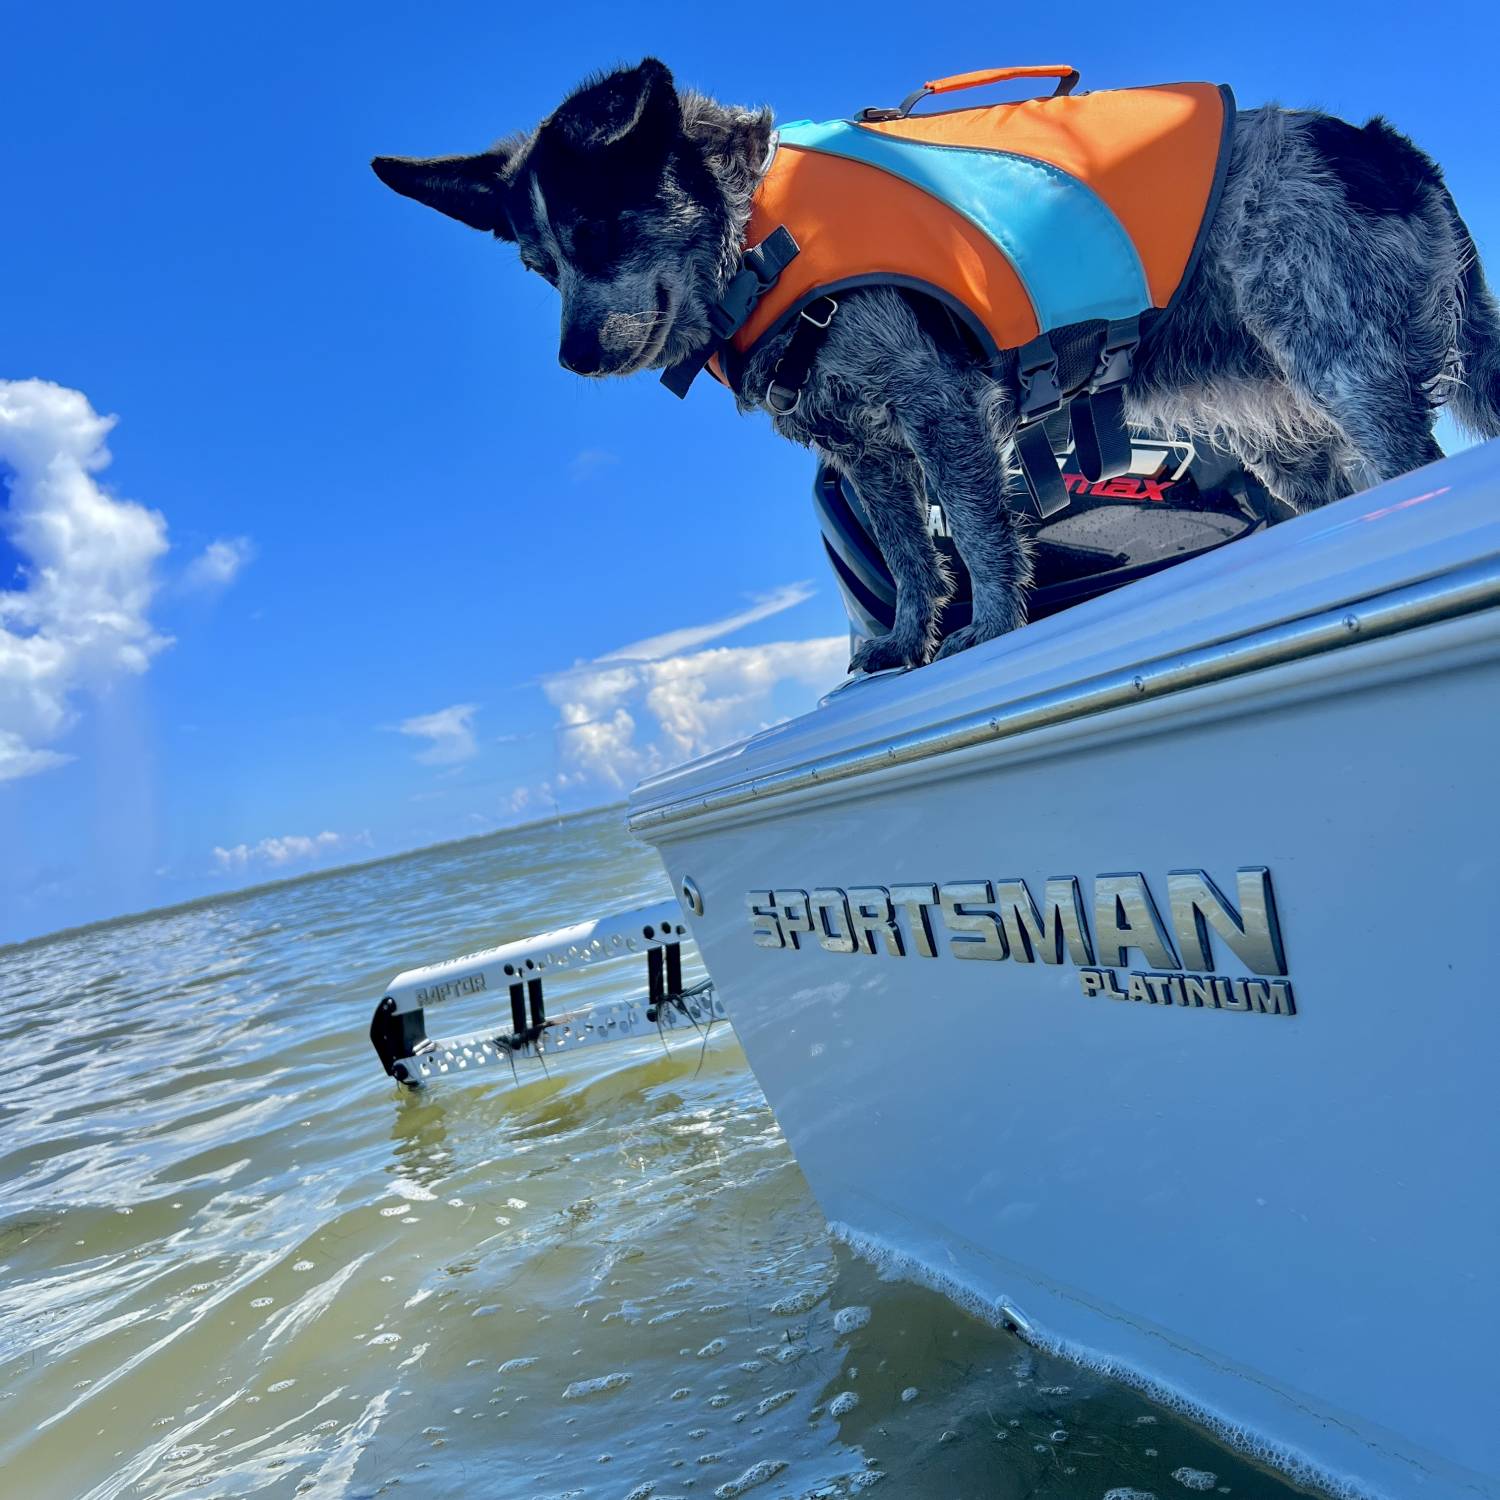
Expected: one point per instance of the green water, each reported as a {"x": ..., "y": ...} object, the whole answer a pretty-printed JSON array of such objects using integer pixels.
[{"x": 235, "y": 1260}]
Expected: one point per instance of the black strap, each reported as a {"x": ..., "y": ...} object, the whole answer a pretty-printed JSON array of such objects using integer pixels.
[
  {"x": 1041, "y": 396},
  {"x": 784, "y": 392},
  {"x": 1100, "y": 437},
  {"x": 1095, "y": 403},
  {"x": 1039, "y": 466},
  {"x": 759, "y": 268}
]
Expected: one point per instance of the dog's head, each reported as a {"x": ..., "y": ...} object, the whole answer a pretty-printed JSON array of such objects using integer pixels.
[{"x": 630, "y": 199}]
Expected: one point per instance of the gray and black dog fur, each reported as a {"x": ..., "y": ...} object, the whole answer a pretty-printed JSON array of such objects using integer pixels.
[{"x": 1337, "y": 303}]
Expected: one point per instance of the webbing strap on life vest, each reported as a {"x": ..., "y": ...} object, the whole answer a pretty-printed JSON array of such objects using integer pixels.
[
  {"x": 759, "y": 267},
  {"x": 1096, "y": 409},
  {"x": 1100, "y": 437},
  {"x": 784, "y": 392},
  {"x": 1039, "y": 468},
  {"x": 1041, "y": 396}
]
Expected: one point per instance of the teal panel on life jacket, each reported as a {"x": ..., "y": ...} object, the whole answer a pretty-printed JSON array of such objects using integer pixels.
[{"x": 1073, "y": 255}]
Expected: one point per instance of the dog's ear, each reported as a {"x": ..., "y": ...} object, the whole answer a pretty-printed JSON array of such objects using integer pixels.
[
  {"x": 470, "y": 189},
  {"x": 635, "y": 107}
]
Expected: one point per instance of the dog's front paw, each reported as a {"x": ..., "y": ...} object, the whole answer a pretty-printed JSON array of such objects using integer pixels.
[
  {"x": 973, "y": 635},
  {"x": 887, "y": 651}
]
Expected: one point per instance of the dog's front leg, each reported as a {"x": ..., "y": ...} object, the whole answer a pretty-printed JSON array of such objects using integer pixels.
[
  {"x": 891, "y": 489},
  {"x": 956, "y": 436}
]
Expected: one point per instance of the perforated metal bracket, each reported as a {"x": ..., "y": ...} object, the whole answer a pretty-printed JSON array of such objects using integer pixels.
[{"x": 398, "y": 1029}]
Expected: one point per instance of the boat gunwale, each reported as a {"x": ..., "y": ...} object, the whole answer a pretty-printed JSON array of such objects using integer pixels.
[{"x": 1468, "y": 589}]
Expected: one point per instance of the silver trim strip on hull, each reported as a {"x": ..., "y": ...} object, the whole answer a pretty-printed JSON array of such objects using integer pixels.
[{"x": 1446, "y": 596}]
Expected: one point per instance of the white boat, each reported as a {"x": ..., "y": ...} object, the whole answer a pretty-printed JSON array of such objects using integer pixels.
[{"x": 1130, "y": 977}]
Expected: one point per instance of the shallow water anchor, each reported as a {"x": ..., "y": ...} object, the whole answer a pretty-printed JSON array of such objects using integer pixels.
[{"x": 398, "y": 1029}]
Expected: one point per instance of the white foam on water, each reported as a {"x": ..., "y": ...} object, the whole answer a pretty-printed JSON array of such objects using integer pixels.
[
  {"x": 843, "y": 1403},
  {"x": 772, "y": 1402},
  {"x": 891, "y": 1264},
  {"x": 1195, "y": 1479},
  {"x": 510, "y": 1366},
  {"x": 1128, "y": 1494},
  {"x": 847, "y": 1319},
  {"x": 910, "y": 1393},
  {"x": 595, "y": 1386},
  {"x": 796, "y": 1302},
  {"x": 767, "y": 1468}
]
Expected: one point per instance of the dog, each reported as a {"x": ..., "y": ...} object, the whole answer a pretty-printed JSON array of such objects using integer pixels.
[{"x": 1337, "y": 302}]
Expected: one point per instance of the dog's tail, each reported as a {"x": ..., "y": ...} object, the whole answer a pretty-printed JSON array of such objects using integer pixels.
[{"x": 1475, "y": 398}]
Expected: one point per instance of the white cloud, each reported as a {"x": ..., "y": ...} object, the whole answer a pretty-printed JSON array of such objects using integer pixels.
[
  {"x": 290, "y": 849},
  {"x": 634, "y": 711},
  {"x": 654, "y": 647},
  {"x": 219, "y": 564},
  {"x": 88, "y": 561},
  {"x": 449, "y": 734},
  {"x": 18, "y": 759},
  {"x": 705, "y": 700}
]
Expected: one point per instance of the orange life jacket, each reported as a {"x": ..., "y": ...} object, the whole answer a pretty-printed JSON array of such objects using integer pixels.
[{"x": 1050, "y": 227}]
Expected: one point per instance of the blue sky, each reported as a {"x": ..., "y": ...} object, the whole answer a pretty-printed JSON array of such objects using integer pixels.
[{"x": 379, "y": 550}]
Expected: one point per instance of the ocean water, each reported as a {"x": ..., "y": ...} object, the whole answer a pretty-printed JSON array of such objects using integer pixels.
[{"x": 236, "y": 1260}]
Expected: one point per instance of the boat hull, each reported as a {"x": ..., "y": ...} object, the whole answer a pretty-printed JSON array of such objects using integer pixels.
[{"x": 1272, "y": 1203}]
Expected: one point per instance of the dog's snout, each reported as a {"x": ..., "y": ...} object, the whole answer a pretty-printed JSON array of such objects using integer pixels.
[{"x": 580, "y": 350}]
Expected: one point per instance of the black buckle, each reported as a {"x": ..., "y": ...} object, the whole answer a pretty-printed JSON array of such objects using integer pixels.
[
  {"x": 727, "y": 316},
  {"x": 873, "y": 113},
  {"x": 759, "y": 268},
  {"x": 1117, "y": 356},
  {"x": 1037, "y": 372}
]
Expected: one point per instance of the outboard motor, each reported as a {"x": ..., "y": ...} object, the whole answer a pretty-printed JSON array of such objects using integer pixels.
[{"x": 1177, "y": 501}]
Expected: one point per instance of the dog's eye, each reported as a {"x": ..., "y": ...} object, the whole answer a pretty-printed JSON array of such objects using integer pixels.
[
  {"x": 593, "y": 240},
  {"x": 541, "y": 264}
]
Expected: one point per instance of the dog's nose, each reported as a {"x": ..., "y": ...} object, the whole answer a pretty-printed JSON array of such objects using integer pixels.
[{"x": 580, "y": 352}]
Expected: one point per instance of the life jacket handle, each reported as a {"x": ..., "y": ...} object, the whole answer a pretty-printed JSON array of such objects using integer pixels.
[{"x": 1067, "y": 81}]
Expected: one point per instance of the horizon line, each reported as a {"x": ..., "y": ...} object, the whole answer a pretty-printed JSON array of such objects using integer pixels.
[{"x": 243, "y": 892}]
